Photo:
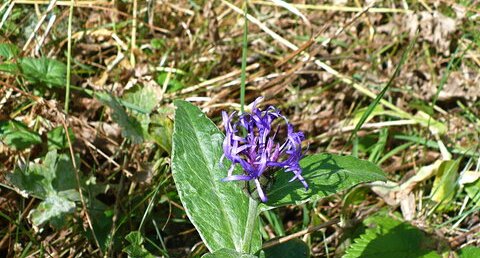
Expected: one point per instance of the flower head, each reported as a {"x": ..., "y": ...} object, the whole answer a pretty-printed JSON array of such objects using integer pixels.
[{"x": 251, "y": 141}]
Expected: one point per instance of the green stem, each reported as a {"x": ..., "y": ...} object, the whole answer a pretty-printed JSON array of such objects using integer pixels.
[
  {"x": 243, "y": 75},
  {"x": 69, "y": 55},
  {"x": 250, "y": 226}
]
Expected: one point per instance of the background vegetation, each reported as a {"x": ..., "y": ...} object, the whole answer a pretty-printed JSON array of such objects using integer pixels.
[{"x": 86, "y": 92}]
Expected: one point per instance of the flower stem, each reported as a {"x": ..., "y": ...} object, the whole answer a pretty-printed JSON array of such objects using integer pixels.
[
  {"x": 243, "y": 75},
  {"x": 250, "y": 226}
]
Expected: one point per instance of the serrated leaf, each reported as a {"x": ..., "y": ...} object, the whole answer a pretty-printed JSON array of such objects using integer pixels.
[
  {"x": 8, "y": 51},
  {"x": 136, "y": 248},
  {"x": 294, "y": 248},
  {"x": 325, "y": 174},
  {"x": 144, "y": 98},
  {"x": 43, "y": 70},
  {"x": 36, "y": 179},
  {"x": 17, "y": 135},
  {"x": 131, "y": 128},
  {"x": 53, "y": 181},
  {"x": 390, "y": 238},
  {"x": 228, "y": 253},
  {"x": 218, "y": 210}
]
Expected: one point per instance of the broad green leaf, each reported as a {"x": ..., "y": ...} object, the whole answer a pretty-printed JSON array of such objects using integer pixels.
[
  {"x": 325, "y": 174},
  {"x": 8, "y": 51},
  {"x": 54, "y": 182},
  {"x": 142, "y": 97},
  {"x": 57, "y": 139},
  {"x": 390, "y": 238},
  {"x": 52, "y": 209},
  {"x": 136, "y": 248},
  {"x": 469, "y": 252},
  {"x": 17, "y": 135},
  {"x": 64, "y": 177},
  {"x": 43, "y": 70},
  {"x": 131, "y": 128},
  {"x": 36, "y": 179},
  {"x": 294, "y": 248},
  {"x": 228, "y": 253},
  {"x": 146, "y": 99},
  {"x": 218, "y": 210}
]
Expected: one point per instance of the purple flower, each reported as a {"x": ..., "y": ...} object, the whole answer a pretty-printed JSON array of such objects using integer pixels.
[{"x": 251, "y": 142}]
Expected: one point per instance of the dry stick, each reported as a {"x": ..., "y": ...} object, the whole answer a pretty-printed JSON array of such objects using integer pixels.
[
  {"x": 299, "y": 233},
  {"x": 77, "y": 177}
]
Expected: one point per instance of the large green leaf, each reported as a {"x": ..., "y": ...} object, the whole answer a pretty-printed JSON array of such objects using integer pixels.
[
  {"x": 43, "y": 70},
  {"x": 218, "y": 210},
  {"x": 17, "y": 135},
  {"x": 53, "y": 181},
  {"x": 325, "y": 174},
  {"x": 52, "y": 209}
]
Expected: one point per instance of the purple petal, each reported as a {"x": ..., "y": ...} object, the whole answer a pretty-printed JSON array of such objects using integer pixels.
[
  {"x": 237, "y": 177},
  {"x": 251, "y": 142},
  {"x": 261, "y": 194}
]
